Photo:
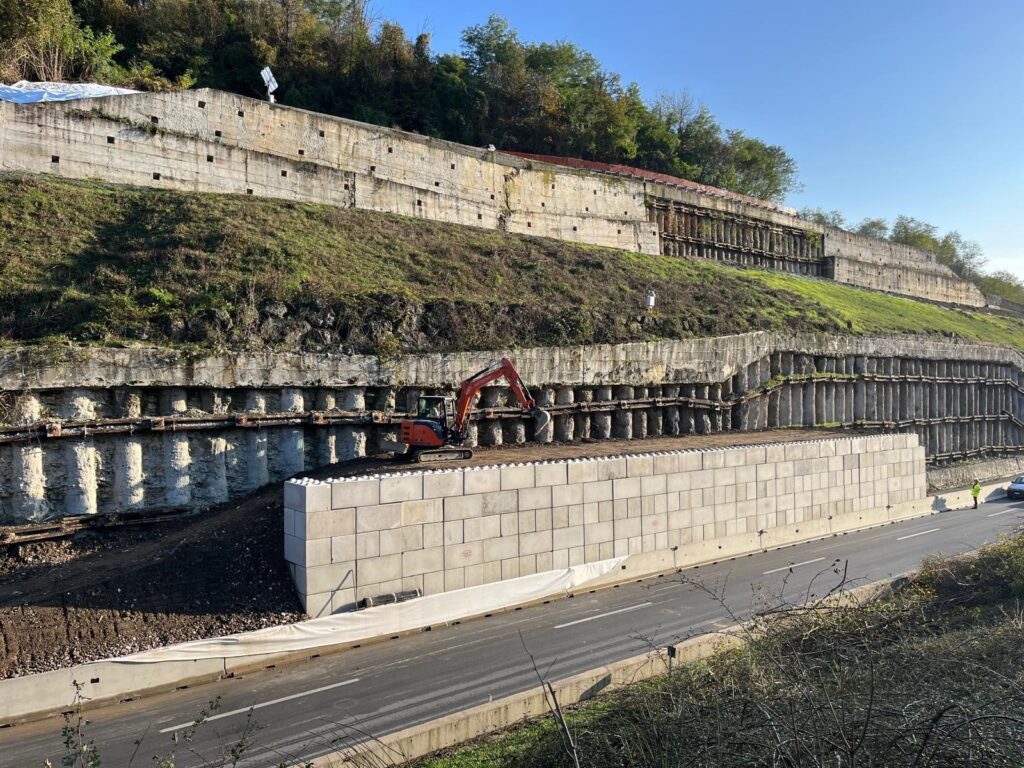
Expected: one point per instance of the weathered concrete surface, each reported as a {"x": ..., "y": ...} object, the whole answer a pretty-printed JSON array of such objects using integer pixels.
[{"x": 657, "y": 362}]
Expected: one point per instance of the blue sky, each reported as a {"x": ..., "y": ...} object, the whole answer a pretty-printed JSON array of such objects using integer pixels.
[{"x": 906, "y": 106}]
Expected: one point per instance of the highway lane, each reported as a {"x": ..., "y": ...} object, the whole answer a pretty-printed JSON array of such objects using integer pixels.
[{"x": 308, "y": 709}]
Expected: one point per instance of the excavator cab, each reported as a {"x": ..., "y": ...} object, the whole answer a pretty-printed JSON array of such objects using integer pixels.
[{"x": 439, "y": 409}]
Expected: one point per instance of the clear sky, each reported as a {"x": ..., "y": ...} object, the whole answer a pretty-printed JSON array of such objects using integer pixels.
[{"x": 888, "y": 107}]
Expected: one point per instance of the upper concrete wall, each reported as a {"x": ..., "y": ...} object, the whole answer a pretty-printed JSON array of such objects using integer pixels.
[
  {"x": 212, "y": 141},
  {"x": 896, "y": 268},
  {"x": 656, "y": 362}
]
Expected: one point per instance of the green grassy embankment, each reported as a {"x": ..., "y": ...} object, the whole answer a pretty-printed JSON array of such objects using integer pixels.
[
  {"x": 101, "y": 264},
  {"x": 930, "y": 676}
]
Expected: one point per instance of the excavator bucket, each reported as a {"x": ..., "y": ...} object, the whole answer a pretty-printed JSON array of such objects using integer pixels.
[{"x": 541, "y": 418}]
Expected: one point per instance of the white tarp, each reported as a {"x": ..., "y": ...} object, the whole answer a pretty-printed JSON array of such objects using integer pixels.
[
  {"x": 25, "y": 92},
  {"x": 344, "y": 628}
]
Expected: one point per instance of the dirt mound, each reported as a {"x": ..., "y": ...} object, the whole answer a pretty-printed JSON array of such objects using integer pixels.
[{"x": 107, "y": 594}]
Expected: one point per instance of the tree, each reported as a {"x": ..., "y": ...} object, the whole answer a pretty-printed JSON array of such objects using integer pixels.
[
  {"x": 45, "y": 40},
  {"x": 873, "y": 228},
  {"x": 831, "y": 218}
]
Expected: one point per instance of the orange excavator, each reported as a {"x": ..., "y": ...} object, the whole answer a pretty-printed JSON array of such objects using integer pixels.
[{"x": 441, "y": 427}]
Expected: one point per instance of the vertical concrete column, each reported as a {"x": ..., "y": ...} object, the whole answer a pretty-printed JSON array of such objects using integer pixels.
[
  {"x": 29, "y": 500},
  {"x": 717, "y": 417},
  {"x": 656, "y": 415},
  {"x": 581, "y": 421},
  {"x": 640, "y": 415},
  {"x": 293, "y": 439},
  {"x": 177, "y": 452},
  {"x": 774, "y": 401},
  {"x": 256, "y": 471},
  {"x": 786, "y": 405},
  {"x": 622, "y": 420},
  {"x": 820, "y": 403},
  {"x": 840, "y": 415},
  {"x": 490, "y": 432},
  {"x": 326, "y": 437},
  {"x": 80, "y": 456},
  {"x": 215, "y": 470},
  {"x": 671, "y": 423},
  {"x": 544, "y": 398},
  {"x": 351, "y": 443},
  {"x": 703, "y": 418},
  {"x": 129, "y": 492},
  {"x": 564, "y": 425},
  {"x": 688, "y": 414}
]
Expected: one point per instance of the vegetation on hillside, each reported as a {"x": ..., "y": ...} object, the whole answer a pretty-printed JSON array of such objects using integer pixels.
[
  {"x": 97, "y": 263},
  {"x": 930, "y": 676},
  {"x": 332, "y": 56}
]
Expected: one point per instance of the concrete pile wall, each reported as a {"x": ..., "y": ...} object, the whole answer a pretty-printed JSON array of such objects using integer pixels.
[
  {"x": 439, "y": 531},
  {"x": 105, "y": 430},
  {"x": 211, "y": 141}
]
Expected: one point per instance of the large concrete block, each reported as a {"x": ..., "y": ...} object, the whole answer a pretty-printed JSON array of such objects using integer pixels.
[
  {"x": 612, "y": 468},
  {"x": 552, "y": 474},
  {"x": 482, "y": 480},
  {"x": 534, "y": 543},
  {"x": 516, "y": 476},
  {"x": 329, "y": 578},
  {"x": 394, "y": 488},
  {"x": 343, "y": 548},
  {"x": 500, "y": 503},
  {"x": 462, "y": 507},
  {"x": 582, "y": 471},
  {"x": 639, "y": 466},
  {"x": 478, "y": 528},
  {"x": 378, "y": 518},
  {"x": 600, "y": 490},
  {"x": 367, "y": 545},
  {"x": 653, "y": 484},
  {"x": 496, "y": 550},
  {"x": 626, "y": 488},
  {"x": 566, "y": 495},
  {"x": 443, "y": 484},
  {"x": 461, "y": 555},
  {"x": 422, "y": 561},
  {"x": 330, "y": 522},
  {"x": 307, "y": 496},
  {"x": 453, "y": 532},
  {"x": 596, "y": 533},
  {"x": 535, "y": 498},
  {"x": 355, "y": 493},
  {"x": 373, "y": 570},
  {"x": 424, "y": 511}
]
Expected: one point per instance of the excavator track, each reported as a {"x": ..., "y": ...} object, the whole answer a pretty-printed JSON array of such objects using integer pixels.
[{"x": 433, "y": 455}]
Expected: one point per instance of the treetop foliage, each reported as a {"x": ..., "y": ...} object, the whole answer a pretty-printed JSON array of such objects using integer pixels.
[{"x": 333, "y": 56}]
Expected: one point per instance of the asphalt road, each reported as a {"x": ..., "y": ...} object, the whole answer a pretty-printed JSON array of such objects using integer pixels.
[{"x": 308, "y": 709}]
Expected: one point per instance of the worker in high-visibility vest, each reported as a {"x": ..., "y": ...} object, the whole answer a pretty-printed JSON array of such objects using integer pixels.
[{"x": 976, "y": 492}]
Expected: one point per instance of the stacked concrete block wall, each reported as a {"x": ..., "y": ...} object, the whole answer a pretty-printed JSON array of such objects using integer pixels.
[
  {"x": 212, "y": 141},
  {"x": 439, "y": 531},
  {"x": 107, "y": 430}
]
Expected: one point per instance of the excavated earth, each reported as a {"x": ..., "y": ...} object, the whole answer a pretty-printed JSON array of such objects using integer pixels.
[{"x": 117, "y": 591}]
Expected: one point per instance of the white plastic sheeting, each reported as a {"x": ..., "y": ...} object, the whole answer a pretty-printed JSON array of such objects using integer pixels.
[
  {"x": 25, "y": 92},
  {"x": 354, "y": 627}
]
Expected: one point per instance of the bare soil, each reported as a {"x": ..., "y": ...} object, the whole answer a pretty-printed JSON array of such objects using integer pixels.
[{"x": 118, "y": 591}]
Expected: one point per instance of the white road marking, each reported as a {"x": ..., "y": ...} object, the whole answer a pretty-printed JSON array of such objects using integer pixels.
[
  {"x": 997, "y": 514},
  {"x": 261, "y": 705},
  {"x": 793, "y": 565},
  {"x": 920, "y": 533},
  {"x": 601, "y": 615}
]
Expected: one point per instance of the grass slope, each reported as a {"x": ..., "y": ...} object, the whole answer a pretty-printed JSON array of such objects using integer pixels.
[{"x": 97, "y": 263}]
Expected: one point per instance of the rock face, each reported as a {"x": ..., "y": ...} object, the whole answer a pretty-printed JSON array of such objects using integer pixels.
[{"x": 165, "y": 429}]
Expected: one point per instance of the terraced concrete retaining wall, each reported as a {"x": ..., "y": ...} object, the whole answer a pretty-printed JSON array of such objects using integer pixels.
[
  {"x": 106, "y": 430},
  {"x": 443, "y": 530},
  {"x": 212, "y": 141}
]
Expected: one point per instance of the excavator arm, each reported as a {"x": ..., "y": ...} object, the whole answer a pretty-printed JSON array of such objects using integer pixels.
[{"x": 471, "y": 388}]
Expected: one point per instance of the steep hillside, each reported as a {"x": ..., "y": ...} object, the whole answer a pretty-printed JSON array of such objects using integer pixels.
[{"x": 96, "y": 263}]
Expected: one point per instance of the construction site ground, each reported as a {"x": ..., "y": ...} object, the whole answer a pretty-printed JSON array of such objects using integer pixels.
[{"x": 115, "y": 591}]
